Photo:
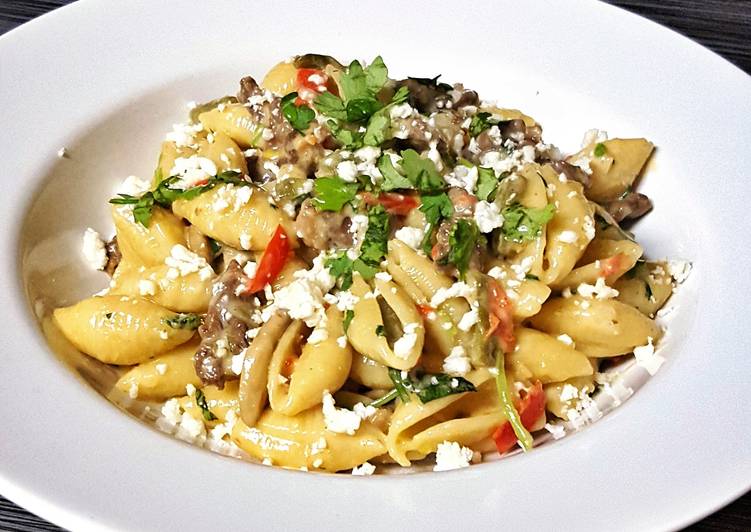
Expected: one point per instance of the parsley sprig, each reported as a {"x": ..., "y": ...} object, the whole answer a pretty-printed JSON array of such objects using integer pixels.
[
  {"x": 163, "y": 195},
  {"x": 523, "y": 224},
  {"x": 359, "y": 105},
  {"x": 372, "y": 251},
  {"x": 184, "y": 321},
  {"x": 208, "y": 415},
  {"x": 428, "y": 387},
  {"x": 299, "y": 116}
]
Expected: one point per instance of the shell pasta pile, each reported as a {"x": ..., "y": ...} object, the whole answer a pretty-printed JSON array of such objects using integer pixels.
[{"x": 335, "y": 270}]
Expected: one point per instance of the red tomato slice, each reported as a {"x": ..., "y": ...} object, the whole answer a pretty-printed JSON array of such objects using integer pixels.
[
  {"x": 500, "y": 311},
  {"x": 425, "y": 310},
  {"x": 394, "y": 203},
  {"x": 272, "y": 261},
  {"x": 612, "y": 265},
  {"x": 531, "y": 408}
]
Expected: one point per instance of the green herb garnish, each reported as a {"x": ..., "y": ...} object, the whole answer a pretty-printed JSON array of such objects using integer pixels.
[
  {"x": 421, "y": 172},
  {"x": 480, "y": 122},
  {"x": 386, "y": 399},
  {"x": 201, "y": 402},
  {"x": 428, "y": 387},
  {"x": 392, "y": 179},
  {"x": 522, "y": 434},
  {"x": 348, "y": 317},
  {"x": 163, "y": 195},
  {"x": 487, "y": 183},
  {"x": 599, "y": 150},
  {"x": 184, "y": 321},
  {"x": 299, "y": 116},
  {"x": 462, "y": 240},
  {"x": 380, "y": 330},
  {"x": 523, "y": 224},
  {"x": 332, "y": 193}
]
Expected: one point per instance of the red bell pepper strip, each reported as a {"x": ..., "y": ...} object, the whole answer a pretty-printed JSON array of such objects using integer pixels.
[
  {"x": 500, "y": 312},
  {"x": 394, "y": 203},
  {"x": 612, "y": 265},
  {"x": 272, "y": 261},
  {"x": 531, "y": 408}
]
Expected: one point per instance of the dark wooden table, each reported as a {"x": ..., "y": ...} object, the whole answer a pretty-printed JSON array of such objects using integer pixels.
[{"x": 721, "y": 25}]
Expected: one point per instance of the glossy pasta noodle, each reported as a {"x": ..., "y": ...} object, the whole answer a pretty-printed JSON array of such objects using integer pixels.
[{"x": 335, "y": 270}]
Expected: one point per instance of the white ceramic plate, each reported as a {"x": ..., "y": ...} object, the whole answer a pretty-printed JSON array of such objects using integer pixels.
[{"x": 107, "y": 79}]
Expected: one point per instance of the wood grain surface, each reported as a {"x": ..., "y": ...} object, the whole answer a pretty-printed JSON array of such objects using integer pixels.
[{"x": 724, "y": 26}]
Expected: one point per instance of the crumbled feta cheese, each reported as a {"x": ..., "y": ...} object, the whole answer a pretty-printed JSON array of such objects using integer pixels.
[
  {"x": 171, "y": 411},
  {"x": 402, "y": 110},
  {"x": 679, "y": 270},
  {"x": 450, "y": 455},
  {"x": 346, "y": 300},
  {"x": 365, "y": 412},
  {"x": 347, "y": 170},
  {"x": 365, "y": 469},
  {"x": 647, "y": 358},
  {"x": 593, "y": 136},
  {"x": 357, "y": 228},
  {"x": 463, "y": 177},
  {"x": 569, "y": 392},
  {"x": 133, "y": 186},
  {"x": 183, "y": 262},
  {"x": 303, "y": 298},
  {"x": 184, "y": 135},
  {"x": 341, "y": 341},
  {"x": 94, "y": 250},
  {"x": 458, "y": 289},
  {"x": 318, "y": 335},
  {"x": 404, "y": 345},
  {"x": 558, "y": 431},
  {"x": 412, "y": 236},
  {"x": 471, "y": 317},
  {"x": 568, "y": 237},
  {"x": 589, "y": 227},
  {"x": 383, "y": 276},
  {"x": 193, "y": 170},
  {"x": 146, "y": 287},
  {"x": 161, "y": 368},
  {"x": 237, "y": 363},
  {"x": 339, "y": 420},
  {"x": 457, "y": 363},
  {"x": 599, "y": 290},
  {"x": 487, "y": 216}
]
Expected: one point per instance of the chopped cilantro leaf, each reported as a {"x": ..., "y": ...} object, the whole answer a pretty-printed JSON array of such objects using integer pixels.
[
  {"x": 522, "y": 224},
  {"x": 299, "y": 117},
  {"x": 332, "y": 193},
  {"x": 340, "y": 267},
  {"x": 462, "y": 240},
  {"x": 376, "y": 75},
  {"x": 480, "y": 122},
  {"x": 375, "y": 133},
  {"x": 375, "y": 243},
  {"x": 380, "y": 330},
  {"x": 530, "y": 277},
  {"x": 486, "y": 183},
  {"x": 330, "y": 105},
  {"x": 436, "y": 207},
  {"x": 599, "y": 150},
  {"x": 346, "y": 137},
  {"x": 400, "y": 96},
  {"x": 428, "y": 387},
  {"x": 392, "y": 179},
  {"x": 202, "y": 404},
  {"x": 184, "y": 321},
  {"x": 348, "y": 317},
  {"x": 361, "y": 109},
  {"x": 421, "y": 172}
]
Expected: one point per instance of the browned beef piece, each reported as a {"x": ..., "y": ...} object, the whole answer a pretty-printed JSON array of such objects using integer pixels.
[
  {"x": 573, "y": 173},
  {"x": 289, "y": 145},
  {"x": 224, "y": 327},
  {"x": 631, "y": 206},
  {"x": 323, "y": 230},
  {"x": 113, "y": 256}
]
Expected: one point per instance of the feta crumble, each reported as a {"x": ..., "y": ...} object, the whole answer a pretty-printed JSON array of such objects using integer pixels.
[
  {"x": 183, "y": 262},
  {"x": 457, "y": 363},
  {"x": 339, "y": 420},
  {"x": 458, "y": 289},
  {"x": 487, "y": 216},
  {"x": 412, "y": 236},
  {"x": 94, "y": 250},
  {"x": 647, "y": 358},
  {"x": 599, "y": 290},
  {"x": 404, "y": 345},
  {"x": 364, "y": 469},
  {"x": 450, "y": 455}
]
